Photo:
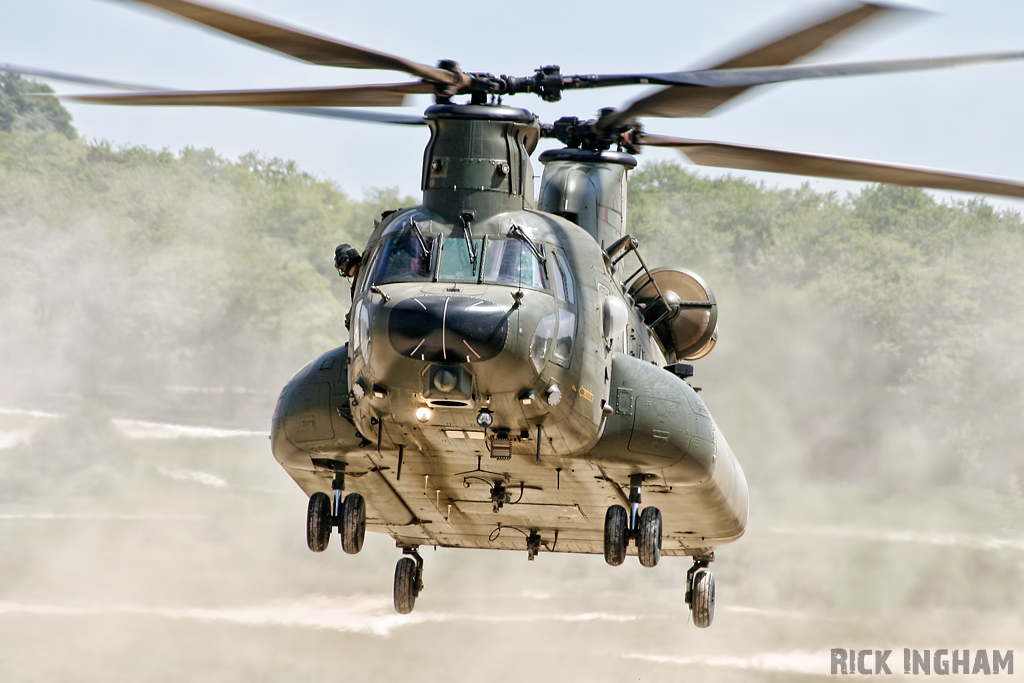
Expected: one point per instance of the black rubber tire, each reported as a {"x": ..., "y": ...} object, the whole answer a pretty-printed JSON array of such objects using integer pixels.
[
  {"x": 702, "y": 602},
  {"x": 648, "y": 537},
  {"x": 318, "y": 522},
  {"x": 405, "y": 585},
  {"x": 353, "y": 523},
  {"x": 615, "y": 537}
]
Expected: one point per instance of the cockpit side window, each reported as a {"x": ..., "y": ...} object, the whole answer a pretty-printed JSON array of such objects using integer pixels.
[
  {"x": 562, "y": 352},
  {"x": 456, "y": 263},
  {"x": 369, "y": 265},
  {"x": 513, "y": 262},
  {"x": 404, "y": 259},
  {"x": 565, "y": 288}
]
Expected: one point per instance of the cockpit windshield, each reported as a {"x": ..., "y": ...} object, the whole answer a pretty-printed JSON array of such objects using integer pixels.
[
  {"x": 411, "y": 258},
  {"x": 456, "y": 263},
  {"x": 404, "y": 258},
  {"x": 513, "y": 262}
]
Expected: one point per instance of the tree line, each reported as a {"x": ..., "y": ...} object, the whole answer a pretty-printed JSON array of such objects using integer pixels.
[{"x": 884, "y": 326}]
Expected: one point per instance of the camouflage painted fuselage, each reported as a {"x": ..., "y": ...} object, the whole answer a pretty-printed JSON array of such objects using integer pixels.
[{"x": 478, "y": 302}]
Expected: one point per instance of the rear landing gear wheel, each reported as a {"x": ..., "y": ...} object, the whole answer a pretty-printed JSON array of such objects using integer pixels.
[
  {"x": 405, "y": 585},
  {"x": 408, "y": 582},
  {"x": 648, "y": 537},
  {"x": 615, "y": 535},
  {"x": 318, "y": 522},
  {"x": 702, "y": 600},
  {"x": 353, "y": 523}
]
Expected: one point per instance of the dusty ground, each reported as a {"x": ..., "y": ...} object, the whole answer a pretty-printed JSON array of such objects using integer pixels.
[{"x": 161, "y": 554}]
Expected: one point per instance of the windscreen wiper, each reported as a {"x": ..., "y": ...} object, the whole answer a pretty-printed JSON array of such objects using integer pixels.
[
  {"x": 467, "y": 232},
  {"x": 515, "y": 230},
  {"x": 420, "y": 236}
]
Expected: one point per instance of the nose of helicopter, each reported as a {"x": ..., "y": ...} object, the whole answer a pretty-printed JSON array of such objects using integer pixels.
[{"x": 448, "y": 329}]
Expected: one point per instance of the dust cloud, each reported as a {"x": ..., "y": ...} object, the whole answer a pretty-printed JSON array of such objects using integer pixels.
[{"x": 148, "y": 534}]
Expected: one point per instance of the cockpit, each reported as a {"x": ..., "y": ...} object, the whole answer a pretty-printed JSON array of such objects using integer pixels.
[{"x": 452, "y": 323}]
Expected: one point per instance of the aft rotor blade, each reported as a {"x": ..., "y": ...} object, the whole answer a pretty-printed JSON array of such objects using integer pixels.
[
  {"x": 744, "y": 157},
  {"x": 390, "y": 95},
  {"x": 730, "y": 78},
  {"x": 698, "y": 90},
  {"x": 299, "y": 44},
  {"x": 680, "y": 102}
]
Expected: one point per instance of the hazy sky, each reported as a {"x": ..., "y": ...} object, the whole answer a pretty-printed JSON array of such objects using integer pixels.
[{"x": 965, "y": 119}]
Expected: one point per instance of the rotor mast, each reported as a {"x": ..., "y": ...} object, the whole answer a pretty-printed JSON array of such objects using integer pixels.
[{"x": 477, "y": 162}]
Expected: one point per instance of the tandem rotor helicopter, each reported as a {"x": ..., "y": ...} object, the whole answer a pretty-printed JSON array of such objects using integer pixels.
[{"x": 516, "y": 375}]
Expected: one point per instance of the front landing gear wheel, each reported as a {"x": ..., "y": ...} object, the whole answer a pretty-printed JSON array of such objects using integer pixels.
[
  {"x": 615, "y": 535},
  {"x": 702, "y": 599},
  {"x": 353, "y": 523},
  {"x": 318, "y": 522},
  {"x": 408, "y": 583},
  {"x": 648, "y": 537}
]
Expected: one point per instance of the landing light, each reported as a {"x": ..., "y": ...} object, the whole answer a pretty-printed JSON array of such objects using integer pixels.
[
  {"x": 484, "y": 418},
  {"x": 423, "y": 413}
]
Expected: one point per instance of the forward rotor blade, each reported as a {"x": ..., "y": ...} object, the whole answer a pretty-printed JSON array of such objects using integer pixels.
[
  {"x": 72, "y": 78},
  {"x": 680, "y": 102},
  {"x": 803, "y": 42},
  {"x": 354, "y": 115},
  {"x": 390, "y": 95},
  {"x": 323, "y": 112},
  {"x": 299, "y": 44},
  {"x": 744, "y": 157}
]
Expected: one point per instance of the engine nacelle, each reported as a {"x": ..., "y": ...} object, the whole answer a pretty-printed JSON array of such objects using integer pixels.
[{"x": 682, "y": 310}]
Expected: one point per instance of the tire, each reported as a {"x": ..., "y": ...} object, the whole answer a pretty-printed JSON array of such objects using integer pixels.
[
  {"x": 318, "y": 522},
  {"x": 648, "y": 537},
  {"x": 615, "y": 535},
  {"x": 353, "y": 523},
  {"x": 703, "y": 598},
  {"x": 405, "y": 585}
]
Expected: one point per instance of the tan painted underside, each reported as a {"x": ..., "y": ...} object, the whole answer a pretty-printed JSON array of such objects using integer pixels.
[{"x": 452, "y": 506}]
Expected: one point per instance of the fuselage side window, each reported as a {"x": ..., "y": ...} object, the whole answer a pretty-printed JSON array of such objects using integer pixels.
[
  {"x": 404, "y": 259},
  {"x": 513, "y": 262}
]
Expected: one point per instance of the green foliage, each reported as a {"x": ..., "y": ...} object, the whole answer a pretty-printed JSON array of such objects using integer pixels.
[
  {"x": 875, "y": 335},
  {"x": 19, "y": 110},
  {"x": 121, "y": 264}
]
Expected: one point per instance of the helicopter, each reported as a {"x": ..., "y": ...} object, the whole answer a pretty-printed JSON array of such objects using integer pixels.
[{"x": 517, "y": 377}]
